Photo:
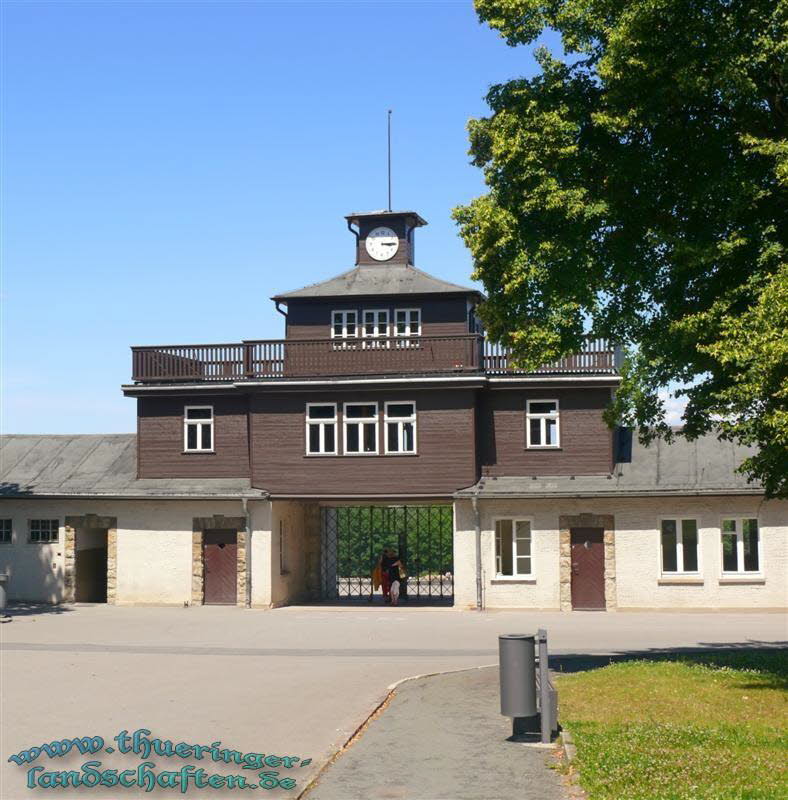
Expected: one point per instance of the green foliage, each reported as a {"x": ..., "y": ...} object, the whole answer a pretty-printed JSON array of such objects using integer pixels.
[
  {"x": 421, "y": 534},
  {"x": 695, "y": 727},
  {"x": 640, "y": 184}
]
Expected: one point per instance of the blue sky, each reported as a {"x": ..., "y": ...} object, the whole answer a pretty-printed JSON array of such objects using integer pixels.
[{"x": 169, "y": 166}]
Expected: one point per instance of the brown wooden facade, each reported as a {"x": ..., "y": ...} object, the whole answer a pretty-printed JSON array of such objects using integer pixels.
[{"x": 470, "y": 399}]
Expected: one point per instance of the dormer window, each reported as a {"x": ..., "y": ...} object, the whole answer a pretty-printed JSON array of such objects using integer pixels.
[
  {"x": 198, "y": 429},
  {"x": 343, "y": 324},
  {"x": 407, "y": 322}
]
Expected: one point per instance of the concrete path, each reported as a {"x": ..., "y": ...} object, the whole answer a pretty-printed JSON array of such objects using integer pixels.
[
  {"x": 290, "y": 682},
  {"x": 441, "y": 738}
]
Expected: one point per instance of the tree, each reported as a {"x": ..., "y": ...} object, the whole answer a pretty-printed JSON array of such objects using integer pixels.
[{"x": 637, "y": 191}]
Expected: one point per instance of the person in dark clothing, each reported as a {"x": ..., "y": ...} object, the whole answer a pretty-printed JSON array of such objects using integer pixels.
[{"x": 393, "y": 569}]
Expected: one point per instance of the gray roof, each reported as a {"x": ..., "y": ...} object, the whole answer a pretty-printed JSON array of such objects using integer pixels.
[
  {"x": 705, "y": 466},
  {"x": 378, "y": 279},
  {"x": 96, "y": 465}
]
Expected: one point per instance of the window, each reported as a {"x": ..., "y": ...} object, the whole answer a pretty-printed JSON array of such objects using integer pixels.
[
  {"x": 198, "y": 429},
  {"x": 740, "y": 545},
  {"x": 400, "y": 427},
  {"x": 541, "y": 417},
  {"x": 679, "y": 545},
  {"x": 407, "y": 322},
  {"x": 44, "y": 530},
  {"x": 361, "y": 428},
  {"x": 282, "y": 548},
  {"x": 376, "y": 325},
  {"x": 343, "y": 324},
  {"x": 513, "y": 548},
  {"x": 321, "y": 428},
  {"x": 6, "y": 529}
]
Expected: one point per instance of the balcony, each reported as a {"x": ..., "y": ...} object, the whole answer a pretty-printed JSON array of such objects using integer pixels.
[{"x": 320, "y": 358}]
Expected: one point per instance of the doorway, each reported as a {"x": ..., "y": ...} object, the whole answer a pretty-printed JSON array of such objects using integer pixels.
[
  {"x": 220, "y": 567},
  {"x": 588, "y": 569},
  {"x": 90, "y": 549}
]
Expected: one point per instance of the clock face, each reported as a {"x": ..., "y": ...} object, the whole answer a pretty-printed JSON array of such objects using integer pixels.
[{"x": 382, "y": 243}]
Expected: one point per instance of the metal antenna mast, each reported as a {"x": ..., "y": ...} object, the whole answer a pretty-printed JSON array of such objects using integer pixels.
[{"x": 389, "y": 159}]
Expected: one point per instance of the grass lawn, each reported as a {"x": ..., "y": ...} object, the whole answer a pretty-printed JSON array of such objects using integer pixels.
[{"x": 695, "y": 727}]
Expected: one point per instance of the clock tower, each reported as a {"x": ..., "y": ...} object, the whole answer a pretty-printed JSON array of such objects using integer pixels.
[{"x": 384, "y": 237}]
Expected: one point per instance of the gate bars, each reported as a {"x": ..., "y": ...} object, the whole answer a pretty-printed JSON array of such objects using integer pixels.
[{"x": 353, "y": 538}]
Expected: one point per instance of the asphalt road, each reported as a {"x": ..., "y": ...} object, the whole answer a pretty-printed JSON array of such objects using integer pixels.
[{"x": 292, "y": 682}]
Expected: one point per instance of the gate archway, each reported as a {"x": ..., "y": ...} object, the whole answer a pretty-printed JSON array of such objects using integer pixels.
[{"x": 353, "y": 538}]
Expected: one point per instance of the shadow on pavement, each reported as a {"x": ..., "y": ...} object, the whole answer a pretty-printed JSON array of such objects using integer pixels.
[{"x": 17, "y": 609}]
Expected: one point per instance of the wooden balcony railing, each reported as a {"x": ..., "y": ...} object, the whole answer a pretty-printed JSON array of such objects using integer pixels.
[
  {"x": 312, "y": 358},
  {"x": 596, "y": 357},
  {"x": 299, "y": 358}
]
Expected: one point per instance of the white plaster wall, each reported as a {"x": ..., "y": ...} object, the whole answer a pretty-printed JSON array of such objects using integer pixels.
[
  {"x": 638, "y": 558},
  {"x": 154, "y": 546},
  {"x": 637, "y": 550},
  {"x": 541, "y": 591},
  {"x": 36, "y": 570},
  {"x": 260, "y": 511}
]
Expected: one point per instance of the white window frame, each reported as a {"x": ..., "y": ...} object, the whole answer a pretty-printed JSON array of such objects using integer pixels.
[
  {"x": 30, "y": 538},
  {"x": 408, "y": 331},
  {"x": 345, "y": 312},
  {"x": 517, "y": 576},
  {"x": 321, "y": 423},
  {"x": 7, "y": 525},
  {"x": 542, "y": 417},
  {"x": 199, "y": 423},
  {"x": 400, "y": 423},
  {"x": 379, "y": 331},
  {"x": 680, "y": 547},
  {"x": 360, "y": 421},
  {"x": 740, "y": 571}
]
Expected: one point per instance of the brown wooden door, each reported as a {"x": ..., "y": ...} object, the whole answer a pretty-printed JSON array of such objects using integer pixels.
[
  {"x": 588, "y": 568},
  {"x": 220, "y": 567}
]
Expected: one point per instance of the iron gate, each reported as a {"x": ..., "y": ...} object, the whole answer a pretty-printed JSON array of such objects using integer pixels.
[{"x": 353, "y": 538}]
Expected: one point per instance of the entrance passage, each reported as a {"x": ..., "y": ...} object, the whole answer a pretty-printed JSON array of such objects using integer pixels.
[
  {"x": 220, "y": 567},
  {"x": 353, "y": 538},
  {"x": 90, "y": 549},
  {"x": 588, "y": 568}
]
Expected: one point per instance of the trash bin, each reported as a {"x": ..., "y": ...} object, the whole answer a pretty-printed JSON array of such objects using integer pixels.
[
  {"x": 3, "y": 584},
  {"x": 518, "y": 674}
]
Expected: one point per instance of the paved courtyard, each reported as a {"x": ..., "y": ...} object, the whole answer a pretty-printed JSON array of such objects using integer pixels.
[{"x": 290, "y": 682}]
